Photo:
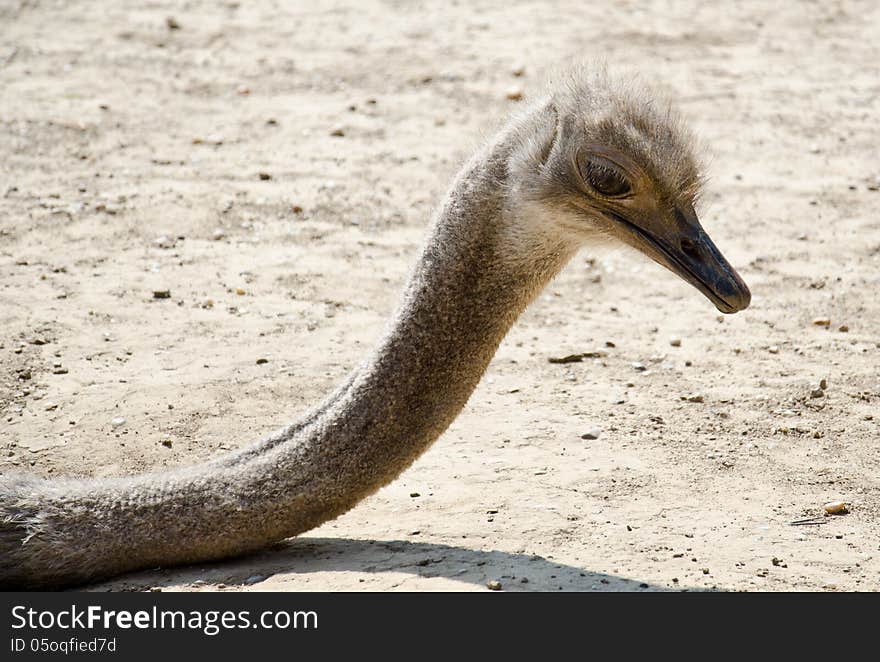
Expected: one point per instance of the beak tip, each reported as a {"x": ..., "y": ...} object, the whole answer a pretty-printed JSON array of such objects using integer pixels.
[{"x": 735, "y": 303}]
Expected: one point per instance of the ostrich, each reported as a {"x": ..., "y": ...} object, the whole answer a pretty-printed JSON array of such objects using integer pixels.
[{"x": 596, "y": 159}]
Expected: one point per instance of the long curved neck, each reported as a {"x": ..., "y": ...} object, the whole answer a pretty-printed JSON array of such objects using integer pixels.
[
  {"x": 480, "y": 268},
  {"x": 465, "y": 292}
]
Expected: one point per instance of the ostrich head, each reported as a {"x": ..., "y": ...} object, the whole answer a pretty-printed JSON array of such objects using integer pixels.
[{"x": 614, "y": 162}]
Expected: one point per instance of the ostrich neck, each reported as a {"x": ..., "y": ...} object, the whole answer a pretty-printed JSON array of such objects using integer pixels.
[
  {"x": 483, "y": 263},
  {"x": 480, "y": 268}
]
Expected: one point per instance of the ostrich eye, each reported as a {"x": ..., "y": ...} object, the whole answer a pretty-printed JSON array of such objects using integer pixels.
[{"x": 606, "y": 180}]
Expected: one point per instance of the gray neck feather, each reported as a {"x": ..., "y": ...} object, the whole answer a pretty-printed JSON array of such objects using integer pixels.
[{"x": 466, "y": 290}]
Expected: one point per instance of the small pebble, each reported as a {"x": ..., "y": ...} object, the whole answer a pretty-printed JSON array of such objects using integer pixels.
[
  {"x": 843, "y": 328},
  {"x": 817, "y": 393},
  {"x": 518, "y": 70},
  {"x": 493, "y": 585},
  {"x": 822, "y": 321},
  {"x": 836, "y": 508},
  {"x": 161, "y": 294},
  {"x": 261, "y": 361},
  {"x": 264, "y": 176},
  {"x": 218, "y": 234},
  {"x": 823, "y": 384},
  {"x": 167, "y": 443},
  {"x": 514, "y": 93},
  {"x": 117, "y": 422},
  {"x": 571, "y": 358},
  {"x": 108, "y": 208},
  {"x": 414, "y": 495},
  {"x": 338, "y": 131},
  {"x": 592, "y": 433},
  {"x": 171, "y": 23},
  {"x": 240, "y": 291},
  {"x": 675, "y": 342},
  {"x": 639, "y": 366},
  {"x": 773, "y": 349}
]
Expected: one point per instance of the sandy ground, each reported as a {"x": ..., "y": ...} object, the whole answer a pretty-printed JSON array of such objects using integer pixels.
[{"x": 196, "y": 156}]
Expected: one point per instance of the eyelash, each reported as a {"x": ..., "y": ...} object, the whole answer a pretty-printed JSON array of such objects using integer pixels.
[{"x": 594, "y": 171}]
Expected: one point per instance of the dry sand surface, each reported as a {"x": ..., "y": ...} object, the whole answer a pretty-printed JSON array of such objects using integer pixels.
[{"x": 190, "y": 147}]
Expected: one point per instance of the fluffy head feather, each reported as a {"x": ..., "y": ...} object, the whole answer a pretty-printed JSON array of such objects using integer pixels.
[{"x": 605, "y": 156}]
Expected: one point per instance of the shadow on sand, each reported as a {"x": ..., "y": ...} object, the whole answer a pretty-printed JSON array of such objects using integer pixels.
[{"x": 517, "y": 572}]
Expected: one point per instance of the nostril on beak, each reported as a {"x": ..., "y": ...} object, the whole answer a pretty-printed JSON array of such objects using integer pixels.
[{"x": 689, "y": 248}]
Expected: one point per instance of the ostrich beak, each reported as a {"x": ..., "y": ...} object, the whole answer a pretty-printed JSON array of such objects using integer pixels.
[{"x": 682, "y": 246}]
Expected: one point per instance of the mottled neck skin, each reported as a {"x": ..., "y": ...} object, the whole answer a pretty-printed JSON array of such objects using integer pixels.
[{"x": 483, "y": 263}]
